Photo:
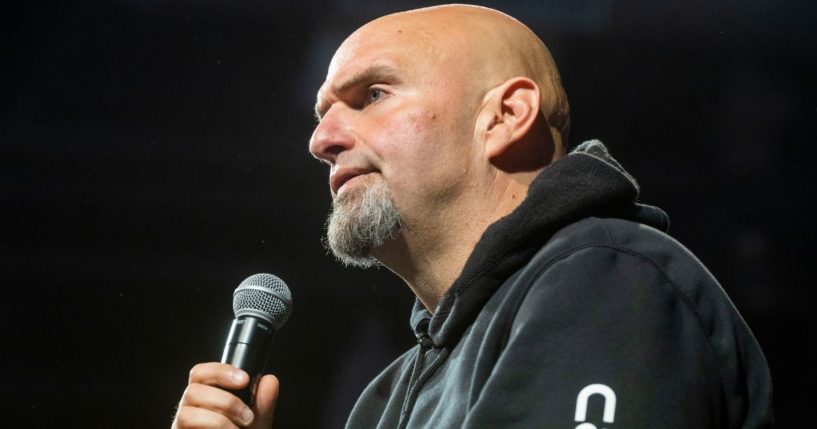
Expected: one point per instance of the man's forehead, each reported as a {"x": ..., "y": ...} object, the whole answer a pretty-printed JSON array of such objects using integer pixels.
[
  {"x": 428, "y": 35},
  {"x": 350, "y": 67},
  {"x": 381, "y": 52},
  {"x": 396, "y": 44}
]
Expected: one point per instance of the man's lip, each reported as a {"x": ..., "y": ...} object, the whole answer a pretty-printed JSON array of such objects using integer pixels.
[{"x": 343, "y": 175}]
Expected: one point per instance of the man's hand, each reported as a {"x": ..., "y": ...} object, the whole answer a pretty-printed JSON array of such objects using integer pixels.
[{"x": 206, "y": 405}]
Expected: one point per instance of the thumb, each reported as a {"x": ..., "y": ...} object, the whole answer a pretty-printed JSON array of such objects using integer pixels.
[{"x": 265, "y": 398}]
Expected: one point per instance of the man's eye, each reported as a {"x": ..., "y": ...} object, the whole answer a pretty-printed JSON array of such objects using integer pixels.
[{"x": 374, "y": 95}]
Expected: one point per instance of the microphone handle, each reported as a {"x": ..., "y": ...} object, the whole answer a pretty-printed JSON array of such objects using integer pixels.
[{"x": 248, "y": 348}]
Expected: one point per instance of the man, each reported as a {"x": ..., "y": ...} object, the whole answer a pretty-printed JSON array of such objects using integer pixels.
[{"x": 546, "y": 296}]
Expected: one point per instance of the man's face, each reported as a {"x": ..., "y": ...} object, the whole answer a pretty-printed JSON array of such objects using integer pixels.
[{"x": 395, "y": 116}]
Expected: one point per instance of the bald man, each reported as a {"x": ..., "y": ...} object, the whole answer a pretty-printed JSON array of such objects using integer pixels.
[{"x": 546, "y": 295}]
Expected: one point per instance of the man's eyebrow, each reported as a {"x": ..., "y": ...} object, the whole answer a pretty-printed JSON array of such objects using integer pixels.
[{"x": 375, "y": 73}]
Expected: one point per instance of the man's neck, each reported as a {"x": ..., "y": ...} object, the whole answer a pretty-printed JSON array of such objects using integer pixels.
[{"x": 430, "y": 255}]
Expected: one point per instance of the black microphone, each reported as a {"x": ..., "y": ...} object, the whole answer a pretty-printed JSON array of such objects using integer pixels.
[{"x": 262, "y": 304}]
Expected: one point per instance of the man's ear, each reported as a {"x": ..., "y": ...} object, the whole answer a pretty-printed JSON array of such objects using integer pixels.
[{"x": 509, "y": 112}]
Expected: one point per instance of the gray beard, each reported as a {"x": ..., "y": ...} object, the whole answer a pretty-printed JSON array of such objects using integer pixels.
[{"x": 361, "y": 220}]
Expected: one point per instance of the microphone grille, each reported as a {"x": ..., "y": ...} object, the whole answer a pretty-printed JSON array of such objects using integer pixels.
[{"x": 265, "y": 296}]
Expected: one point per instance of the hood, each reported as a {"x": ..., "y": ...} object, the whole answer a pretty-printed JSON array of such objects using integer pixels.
[{"x": 587, "y": 182}]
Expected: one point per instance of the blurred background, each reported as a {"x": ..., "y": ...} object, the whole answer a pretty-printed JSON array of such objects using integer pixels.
[{"x": 153, "y": 154}]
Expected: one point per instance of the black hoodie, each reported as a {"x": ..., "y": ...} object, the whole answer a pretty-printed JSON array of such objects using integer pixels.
[{"x": 577, "y": 311}]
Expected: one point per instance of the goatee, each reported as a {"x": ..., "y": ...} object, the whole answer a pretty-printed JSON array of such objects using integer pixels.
[{"x": 361, "y": 220}]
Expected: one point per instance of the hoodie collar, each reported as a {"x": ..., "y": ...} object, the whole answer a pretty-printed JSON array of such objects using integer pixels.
[{"x": 587, "y": 182}]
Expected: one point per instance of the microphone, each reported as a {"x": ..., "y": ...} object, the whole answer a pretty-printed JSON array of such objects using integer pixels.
[{"x": 262, "y": 304}]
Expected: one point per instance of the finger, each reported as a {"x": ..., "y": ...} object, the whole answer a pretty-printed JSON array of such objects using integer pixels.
[
  {"x": 195, "y": 418},
  {"x": 265, "y": 399},
  {"x": 217, "y": 400},
  {"x": 218, "y": 374}
]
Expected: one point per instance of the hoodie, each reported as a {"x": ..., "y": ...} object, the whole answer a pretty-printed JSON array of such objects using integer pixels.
[{"x": 577, "y": 310}]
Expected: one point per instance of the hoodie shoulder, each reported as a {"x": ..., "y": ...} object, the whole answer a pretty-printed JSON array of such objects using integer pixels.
[{"x": 660, "y": 282}]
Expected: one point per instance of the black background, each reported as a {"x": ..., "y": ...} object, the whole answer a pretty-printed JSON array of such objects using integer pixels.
[{"x": 153, "y": 154}]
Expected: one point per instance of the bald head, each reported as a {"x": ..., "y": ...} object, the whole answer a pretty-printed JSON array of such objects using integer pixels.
[
  {"x": 475, "y": 46},
  {"x": 434, "y": 122}
]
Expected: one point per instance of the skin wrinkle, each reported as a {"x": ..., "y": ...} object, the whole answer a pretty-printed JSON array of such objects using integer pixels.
[{"x": 451, "y": 140}]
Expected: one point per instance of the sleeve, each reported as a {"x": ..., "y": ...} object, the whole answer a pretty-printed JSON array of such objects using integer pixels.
[{"x": 603, "y": 339}]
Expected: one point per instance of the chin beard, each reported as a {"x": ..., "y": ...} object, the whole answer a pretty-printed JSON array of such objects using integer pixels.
[{"x": 361, "y": 220}]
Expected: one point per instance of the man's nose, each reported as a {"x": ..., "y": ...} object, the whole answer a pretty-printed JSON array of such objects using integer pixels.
[{"x": 332, "y": 136}]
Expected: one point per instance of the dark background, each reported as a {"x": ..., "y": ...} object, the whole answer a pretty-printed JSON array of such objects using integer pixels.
[{"x": 153, "y": 154}]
